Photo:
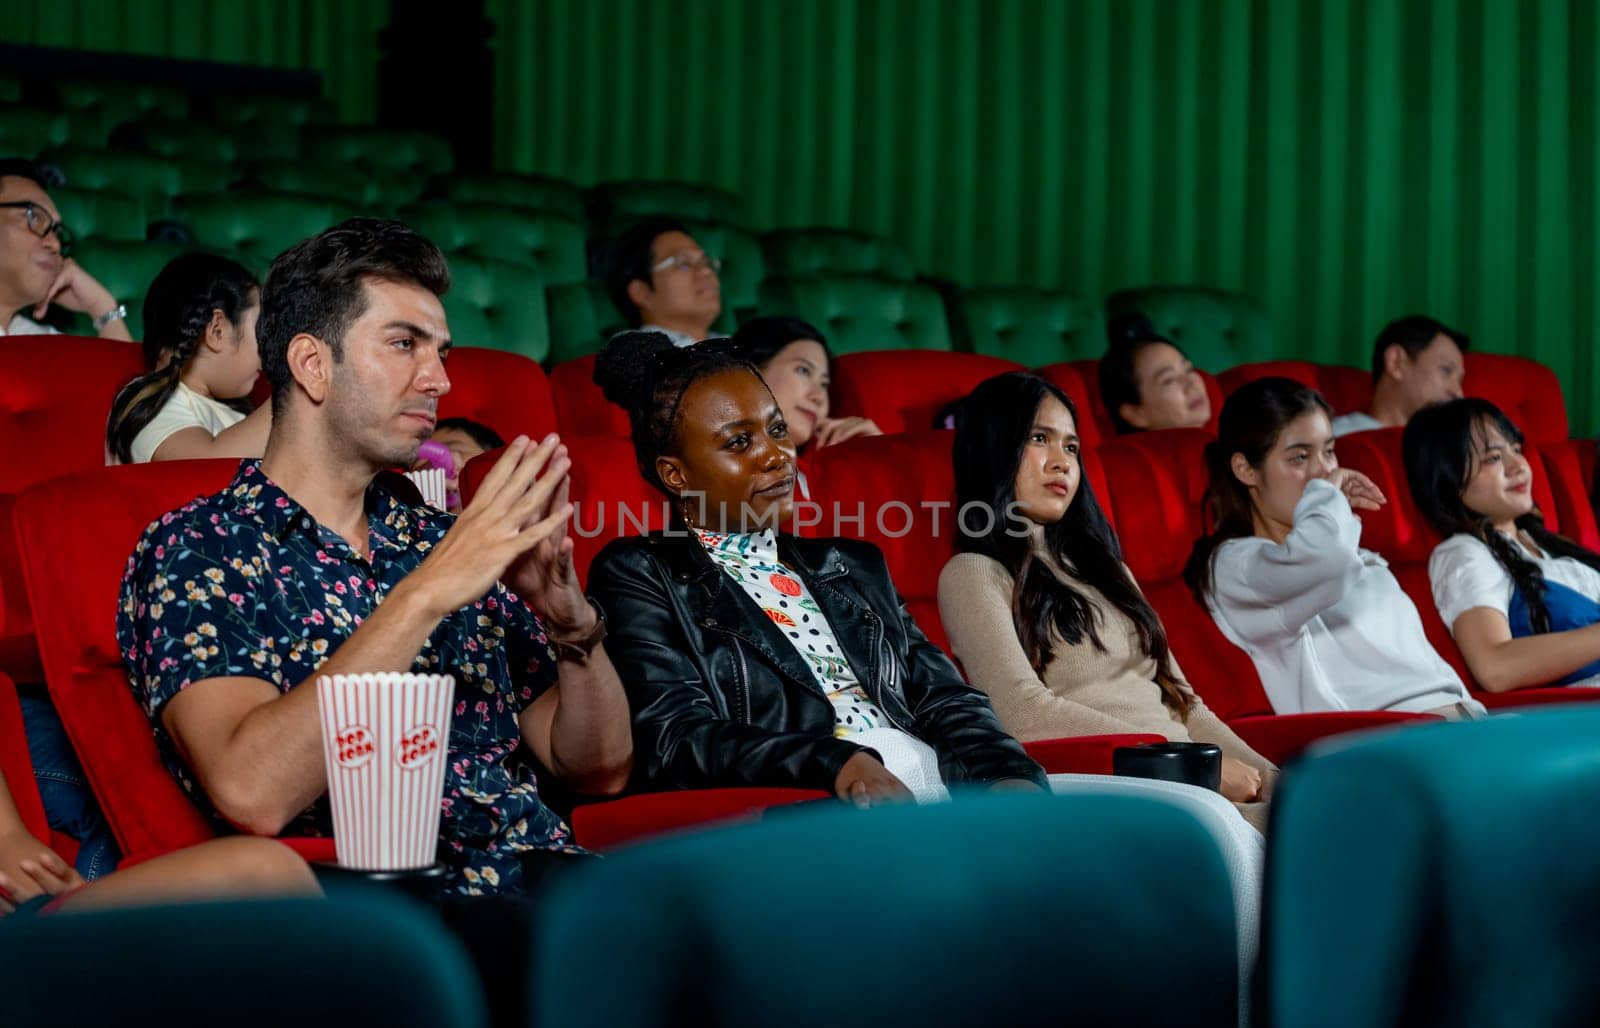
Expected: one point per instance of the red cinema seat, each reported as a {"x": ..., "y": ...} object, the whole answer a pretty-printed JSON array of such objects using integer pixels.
[
  {"x": 581, "y": 408},
  {"x": 54, "y": 400},
  {"x": 1083, "y": 754},
  {"x": 613, "y": 823},
  {"x": 1346, "y": 389},
  {"x": 905, "y": 390},
  {"x": 610, "y": 498},
  {"x": 1069, "y": 378},
  {"x": 505, "y": 391},
  {"x": 17, "y": 770},
  {"x": 1088, "y": 373},
  {"x": 76, "y": 533},
  {"x": 1400, "y": 534},
  {"x": 1158, "y": 480}
]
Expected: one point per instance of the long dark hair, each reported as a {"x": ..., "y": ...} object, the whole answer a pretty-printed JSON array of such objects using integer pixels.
[
  {"x": 646, "y": 375},
  {"x": 1252, "y": 419},
  {"x": 177, "y": 311},
  {"x": 1127, "y": 335},
  {"x": 992, "y": 428},
  {"x": 1440, "y": 443}
]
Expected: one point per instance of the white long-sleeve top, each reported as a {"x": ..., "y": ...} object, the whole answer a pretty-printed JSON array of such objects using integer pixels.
[{"x": 1325, "y": 622}]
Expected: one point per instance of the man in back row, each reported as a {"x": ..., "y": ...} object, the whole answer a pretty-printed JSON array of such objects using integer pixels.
[
  {"x": 314, "y": 562},
  {"x": 1416, "y": 362},
  {"x": 662, "y": 281},
  {"x": 35, "y": 269}
]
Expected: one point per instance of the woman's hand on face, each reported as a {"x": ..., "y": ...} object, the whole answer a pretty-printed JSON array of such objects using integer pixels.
[
  {"x": 865, "y": 782},
  {"x": 1360, "y": 490},
  {"x": 1241, "y": 783},
  {"x": 837, "y": 430}
]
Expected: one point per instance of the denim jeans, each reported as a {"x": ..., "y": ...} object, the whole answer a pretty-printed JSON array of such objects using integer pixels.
[{"x": 69, "y": 806}]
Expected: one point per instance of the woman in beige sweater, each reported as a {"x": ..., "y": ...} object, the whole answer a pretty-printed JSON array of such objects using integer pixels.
[{"x": 1039, "y": 607}]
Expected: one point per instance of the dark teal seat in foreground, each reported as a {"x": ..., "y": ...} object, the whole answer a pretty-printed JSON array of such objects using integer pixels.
[
  {"x": 1000, "y": 910},
  {"x": 306, "y": 963},
  {"x": 1445, "y": 875}
]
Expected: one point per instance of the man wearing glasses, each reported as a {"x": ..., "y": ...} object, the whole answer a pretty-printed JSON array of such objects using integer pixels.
[
  {"x": 662, "y": 281},
  {"x": 35, "y": 270}
]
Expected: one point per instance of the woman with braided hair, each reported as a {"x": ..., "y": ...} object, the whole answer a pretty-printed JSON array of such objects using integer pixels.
[
  {"x": 200, "y": 342},
  {"x": 1522, "y": 602},
  {"x": 752, "y": 657}
]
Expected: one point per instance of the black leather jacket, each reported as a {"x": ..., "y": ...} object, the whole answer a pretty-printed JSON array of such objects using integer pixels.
[{"x": 720, "y": 697}]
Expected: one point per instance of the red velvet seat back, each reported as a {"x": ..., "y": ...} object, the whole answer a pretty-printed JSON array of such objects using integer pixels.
[
  {"x": 904, "y": 390},
  {"x": 1068, "y": 377},
  {"x": 505, "y": 391},
  {"x": 55, "y": 397},
  {"x": 1528, "y": 392},
  {"x": 77, "y": 533},
  {"x": 581, "y": 408},
  {"x": 1158, "y": 482},
  {"x": 1346, "y": 389}
]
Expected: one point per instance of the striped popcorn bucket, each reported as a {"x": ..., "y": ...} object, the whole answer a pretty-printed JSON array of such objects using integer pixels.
[{"x": 385, "y": 741}]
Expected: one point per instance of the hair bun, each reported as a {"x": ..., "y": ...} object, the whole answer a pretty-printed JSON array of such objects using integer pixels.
[{"x": 624, "y": 368}]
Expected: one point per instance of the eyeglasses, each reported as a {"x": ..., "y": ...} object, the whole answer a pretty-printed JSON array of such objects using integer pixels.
[
  {"x": 41, "y": 224},
  {"x": 681, "y": 262}
]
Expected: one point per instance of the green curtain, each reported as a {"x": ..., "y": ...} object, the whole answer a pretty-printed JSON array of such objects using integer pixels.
[
  {"x": 1346, "y": 161},
  {"x": 338, "y": 38}
]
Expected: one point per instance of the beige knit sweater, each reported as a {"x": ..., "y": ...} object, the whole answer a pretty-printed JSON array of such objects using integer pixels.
[{"x": 1083, "y": 691}]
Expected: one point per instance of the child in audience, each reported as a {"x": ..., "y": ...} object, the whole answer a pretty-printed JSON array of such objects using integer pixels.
[
  {"x": 1522, "y": 602},
  {"x": 1042, "y": 613},
  {"x": 752, "y": 657},
  {"x": 465, "y": 439},
  {"x": 1286, "y": 579},
  {"x": 33, "y": 875},
  {"x": 1146, "y": 383},
  {"x": 793, "y": 358},
  {"x": 200, "y": 339}
]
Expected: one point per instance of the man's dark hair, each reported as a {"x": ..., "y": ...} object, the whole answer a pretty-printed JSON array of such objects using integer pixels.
[
  {"x": 21, "y": 167},
  {"x": 477, "y": 431},
  {"x": 315, "y": 287},
  {"x": 1414, "y": 332},
  {"x": 629, "y": 257}
]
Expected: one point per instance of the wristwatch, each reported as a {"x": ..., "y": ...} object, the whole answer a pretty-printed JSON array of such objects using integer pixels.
[
  {"x": 577, "y": 651},
  {"x": 116, "y": 313}
]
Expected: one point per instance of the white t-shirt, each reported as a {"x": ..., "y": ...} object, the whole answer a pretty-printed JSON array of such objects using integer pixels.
[
  {"x": 1325, "y": 622},
  {"x": 22, "y": 325},
  {"x": 1355, "y": 421},
  {"x": 185, "y": 408},
  {"x": 679, "y": 339},
  {"x": 1464, "y": 575}
]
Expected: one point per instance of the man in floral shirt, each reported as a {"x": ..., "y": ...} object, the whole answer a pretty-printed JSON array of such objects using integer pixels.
[{"x": 311, "y": 563}]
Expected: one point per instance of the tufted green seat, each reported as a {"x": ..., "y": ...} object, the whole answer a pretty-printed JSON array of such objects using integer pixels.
[
  {"x": 1216, "y": 329},
  {"x": 810, "y": 251},
  {"x": 1031, "y": 326},
  {"x": 126, "y": 268},
  {"x": 119, "y": 100},
  {"x": 508, "y": 189},
  {"x": 155, "y": 180},
  {"x": 380, "y": 150},
  {"x": 269, "y": 109},
  {"x": 1443, "y": 875},
  {"x": 314, "y": 178},
  {"x": 582, "y": 318},
  {"x": 498, "y": 305},
  {"x": 612, "y": 202},
  {"x": 26, "y": 131},
  {"x": 862, "y": 312},
  {"x": 354, "y": 958},
  {"x": 202, "y": 141},
  {"x": 258, "y": 225},
  {"x": 1002, "y": 910},
  {"x": 551, "y": 244},
  {"x": 100, "y": 213}
]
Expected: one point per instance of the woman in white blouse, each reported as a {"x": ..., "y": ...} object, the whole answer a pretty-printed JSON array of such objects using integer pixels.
[
  {"x": 1522, "y": 602},
  {"x": 200, "y": 342},
  {"x": 1284, "y": 576}
]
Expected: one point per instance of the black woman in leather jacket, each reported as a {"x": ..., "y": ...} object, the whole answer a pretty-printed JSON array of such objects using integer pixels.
[{"x": 721, "y": 694}]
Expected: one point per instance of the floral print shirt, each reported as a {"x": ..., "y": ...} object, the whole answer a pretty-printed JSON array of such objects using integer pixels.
[{"x": 246, "y": 583}]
